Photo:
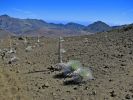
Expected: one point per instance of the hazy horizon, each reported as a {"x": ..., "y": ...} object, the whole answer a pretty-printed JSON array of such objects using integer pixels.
[{"x": 112, "y": 12}]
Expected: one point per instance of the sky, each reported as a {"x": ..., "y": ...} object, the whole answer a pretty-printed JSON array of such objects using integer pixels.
[{"x": 113, "y": 12}]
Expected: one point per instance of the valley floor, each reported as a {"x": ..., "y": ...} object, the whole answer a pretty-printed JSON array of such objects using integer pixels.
[{"x": 110, "y": 57}]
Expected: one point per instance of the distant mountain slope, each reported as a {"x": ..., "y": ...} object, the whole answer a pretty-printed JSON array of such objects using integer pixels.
[
  {"x": 28, "y": 26},
  {"x": 4, "y": 33},
  {"x": 74, "y": 26},
  {"x": 119, "y": 27},
  {"x": 98, "y": 26},
  {"x": 124, "y": 28},
  {"x": 20, "y": 25},
  {"x": 33, "y": 27}
]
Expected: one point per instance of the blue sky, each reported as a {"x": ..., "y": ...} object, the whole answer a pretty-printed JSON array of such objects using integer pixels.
[{"x": 113, "y": 12}]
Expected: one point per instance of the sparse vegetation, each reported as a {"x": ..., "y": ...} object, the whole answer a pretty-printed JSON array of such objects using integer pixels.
[{"x": 108, "y": 55}]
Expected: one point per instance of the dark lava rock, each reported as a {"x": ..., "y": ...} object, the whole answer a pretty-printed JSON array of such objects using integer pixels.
[
  {"x": 106, "y": 66},
  {"x": 94, "y": 93},
  {"x": 86, "y": 88},
  {"x": 131, "y": 90},
  {"x": 20, "y": 38},
  {"x": 68, "y": 91},
  {"x": 123, "y": 64},
  {"x": 9, "y": 62},
  {"x": 45, "y": 85},
  {"x": 75, "y": 88},
  {"x": 110, "y": 80},
  {"x": 58, "y": 90},
  {"x": 127, "y": 96},
  {"x": 130, "y": 52},
  {"x": 112, "y": 94},
  {"x": 39, "y": 87}
]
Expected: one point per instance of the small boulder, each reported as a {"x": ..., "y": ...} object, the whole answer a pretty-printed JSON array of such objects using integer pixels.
[
  {"x": 127, "y": 96},
  {"x": 46, "y": 85}
]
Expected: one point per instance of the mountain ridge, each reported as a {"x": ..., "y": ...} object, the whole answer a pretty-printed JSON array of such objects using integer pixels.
[{"x": 28, "y": 26}]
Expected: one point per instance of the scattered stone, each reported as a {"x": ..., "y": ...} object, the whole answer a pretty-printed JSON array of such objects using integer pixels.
[
  {"x": 51, "y": 68},
  {"x": 20, "y": 38},
  {"x": 54, "y": 94},
  {"x": 17, "y": 71},
  {"x": 35, "y": 84},
  {"x": 28, "y": 62},
  {"x": 75, "y": 88},
  {"x": 106, "y": 66},
  {"x": 28, "y": 48},
  {"x": 123, "y": 64},
  {"x": 112, "y": 94},
  {"x": 58, "y": 90},
  {"x": 86, "y": 88},
  {"x": 130, "y": 52},
  {"x": 9, "y": 62},
  {"x": 73, "y": 98},
  {"x": 13, "y": 59},
  {"x": 127, "y": 74},
  {"x": 94, "y": 93},
  {"x": 39, "y": 87},
  {"x": 46, "y": 85},
  {"x": 110, "y": 80},
  {"x": 127, "y": 96},
  {"x": 68, "y": 91},
  {"x": 131, "y": 90}
]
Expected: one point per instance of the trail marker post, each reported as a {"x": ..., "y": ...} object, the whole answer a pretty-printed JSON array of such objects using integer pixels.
[
  {"x": 10, "y": 44},
  {"x": 61, "y": 50},
  {"x": 38, "y": 40},
  {"x": 25, "y": 40}
]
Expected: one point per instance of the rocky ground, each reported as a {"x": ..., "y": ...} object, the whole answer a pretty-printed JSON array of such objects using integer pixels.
[{"x": 108, "y": 54}]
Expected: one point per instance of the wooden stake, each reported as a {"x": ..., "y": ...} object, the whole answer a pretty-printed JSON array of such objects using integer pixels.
[
  {"x": 10, "y": 42},
  {"x": 61, "y": 50},
  {"x": 25, "y": 40},
  {"x": 60, "y": 53},
  {"x": 38, "y": 38}
]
